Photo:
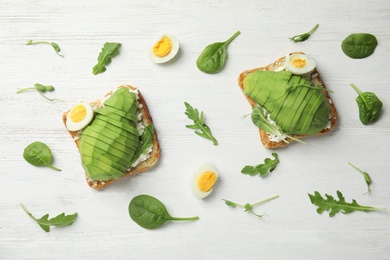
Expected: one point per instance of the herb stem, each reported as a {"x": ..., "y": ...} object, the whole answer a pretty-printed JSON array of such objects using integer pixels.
[
  {"x": 313, "y": 29},
  {"x": 53, "y": 167},
  {"x": 264, "y": 201},
  {"x": 356, "y": 168},
  {"x": 232, "y": 37},
  {"x": 185, "y": 219},
  {"x": 25, "y": 89},
  {"x": 356, "y": 88}
]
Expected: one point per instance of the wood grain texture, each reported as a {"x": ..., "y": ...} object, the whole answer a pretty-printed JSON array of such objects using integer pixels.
[{"x": 291, "y": 230}]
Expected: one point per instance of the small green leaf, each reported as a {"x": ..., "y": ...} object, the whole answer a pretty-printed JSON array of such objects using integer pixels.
[
  {"x": 109, "y": 50},
  {"x": 366, "y": 176},
  {"x": 304, "y": 36},
  {"x": 359, "y": 45},
  {"x": 335, "y": 206},
  {"x": 230, "y": 203},
  {"x": 58, "y": 221},
  {"x": 263, "y": 169},
  {"x": 39, "y": 154}
]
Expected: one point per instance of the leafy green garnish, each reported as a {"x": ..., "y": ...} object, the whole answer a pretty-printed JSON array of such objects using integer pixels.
[
  {"x": 150, "y": 213},
  {"x": 146, "y": 142},
  {"x": 370, "y": 106},
  {"x": 260, "y": 120},
  {"x": 213, "y": 57},
  {"x": 109, "y": 50},
  {"x": 263, "y": 169},
  {"x": 359, "y": 45},
  {"x": 304, "y": 36},
  {"x": 199, "y": 123},
  {"x": 367, "y": 177},
  {"x": 39, "y": 154},
  {"x": 335, "y": 206},
  {"x": 58, "y": 221},
  {"x": 249, "y": 207},
  {"x": 55, "y": 46},
  {"x": 40, "y": 88}
]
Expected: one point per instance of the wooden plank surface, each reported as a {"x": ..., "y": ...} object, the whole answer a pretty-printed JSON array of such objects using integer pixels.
[{"x": 291, "y": 229}]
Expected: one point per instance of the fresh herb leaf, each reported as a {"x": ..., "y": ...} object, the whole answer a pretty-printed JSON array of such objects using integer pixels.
[
  {"x": 55, "y": 46},
  {"x": 263, "y": 169},
  {"x": 146, "y": 142},
  {"x": 213, "y": 57},
  {"x": 366, "y": 176},
  {"x": 359, "y": 45},
  {"x": 109, "y": 50},
  {"x": 260, "y": 120},
  {"x": 39, "y": 154},
  {"x": 150, "y": 213},
  {"x": 40, "y": 88},
  {"x": 249, "y": 207},
  {"x": 58, "y": 221},
  {"x": 335, "y": 206},
  {"x": 304, "y": 36},
  {"x": 370, "y": 106},
  {"x": 199, "y": 123}
]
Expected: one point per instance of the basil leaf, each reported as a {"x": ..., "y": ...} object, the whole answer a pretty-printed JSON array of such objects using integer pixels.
[
  {"x": 58, "y": 221},
  {"x": 109, "y": 50},
  {"x": 39, "y": 154},
  {"x": 359, "y": 45},
  {"x": 213, "y": 57},
  {"x": 263, "y": 169},
  {"x": 150, "y": 213}
]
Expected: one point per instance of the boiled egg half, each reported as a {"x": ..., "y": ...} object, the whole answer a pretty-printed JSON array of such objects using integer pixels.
[
  {"x": 79, "y": 116},
  {"x": 300, "y": 64},
  {"x": 164, "y": 50},
  {"x": 204, "y": 180}
]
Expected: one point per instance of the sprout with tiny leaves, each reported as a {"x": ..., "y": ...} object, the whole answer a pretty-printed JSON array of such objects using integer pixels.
[
  {"x": 55, "y": 46},
  {"x": 40, "y": 88},
  {"x": 304, "y": 36},
  {"x": 249, "y": 207}
]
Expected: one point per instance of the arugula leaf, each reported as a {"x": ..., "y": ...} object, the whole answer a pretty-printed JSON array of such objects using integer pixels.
[
  {"x": 199, "y": 123},
  {"x": 263, "y": 169},
  {"x": 249, "y": 207},
  {"x": 146, "y": 142},
  {"x": 58, "y": 221},
  {"x": 335, "y": 206},
  {"x": 366, "y": 176},
  {"x": 55, "y": 46},
  {"x": 109, "y": 50}
]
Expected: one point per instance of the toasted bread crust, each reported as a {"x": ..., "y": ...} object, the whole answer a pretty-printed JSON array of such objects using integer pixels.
[
  {"x": 142, "y": 166},
  {"x": 264, "y": 136}
]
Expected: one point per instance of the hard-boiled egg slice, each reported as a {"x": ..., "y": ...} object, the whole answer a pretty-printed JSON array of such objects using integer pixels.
[
  {"x": 79, "y": 116},
  {"x": 204, "y": 180},
  {"x": 300, "y": 64},
  {"x": 164, "y": 50}
]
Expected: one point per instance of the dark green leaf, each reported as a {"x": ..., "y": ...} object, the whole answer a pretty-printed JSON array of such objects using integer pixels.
[
  {"x": 370, "y": 106},
  {"x": 150, "y": 213},
  {"x": 335, "y": 206},
  {"x": 359, "y": 45},
  {"x": 58, "y": 221},
  {"x": 263, "y": 169},
  {"x": 39, "y": 154},
  {"x": 109, "y": 50},
  {"x": 213, "y": 57}
]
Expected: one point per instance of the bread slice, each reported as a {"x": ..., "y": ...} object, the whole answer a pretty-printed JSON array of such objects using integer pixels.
[
  {"x": 146, "y": 120},
  {"x": 316, "y": 79}
]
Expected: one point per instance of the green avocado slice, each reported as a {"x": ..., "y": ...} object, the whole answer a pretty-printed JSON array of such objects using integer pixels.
[
  {"x": 123, "y": 124},
  {"x": 116, "y": 113}
]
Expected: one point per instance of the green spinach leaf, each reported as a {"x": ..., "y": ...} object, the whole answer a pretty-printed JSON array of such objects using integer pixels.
[
  {"x": 55, "y": 46},
  {"x": 249, "y": 207},
  {"x": 39, "y": 154},
  {"x": 359, "y": 45},
  {"x": 199, "y": 123},
  {"x": 304, "y": 36},
  {"x": 263, "y": 169},
  {"x": 335, "y": 206},
  {"x": 366, "y": 176},
  {"x": 213, "y": 57},
  {"x": 58, "y": 221},
  {"x": 370, "y": 106},
  {"x": 109, "y": 50},
  {"x": 150, "y": 213},
  {"x": 40, "y": 88}
]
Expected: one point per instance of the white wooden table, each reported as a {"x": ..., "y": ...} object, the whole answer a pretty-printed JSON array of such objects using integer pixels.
[{"x": 291, "y": 229}]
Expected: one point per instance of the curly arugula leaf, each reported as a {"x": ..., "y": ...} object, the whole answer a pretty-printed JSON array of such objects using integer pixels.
[
  {"x": 335, "y": 206},
  {"x": 263, "y": 169},
  {"x": 199, "y": 123},
  {"x": 109, "y": 50},
  {"x": 58, "y": 221}
]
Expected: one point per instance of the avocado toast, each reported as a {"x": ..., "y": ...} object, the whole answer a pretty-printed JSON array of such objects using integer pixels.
[
  {"x": 296, "y": 104},
  {"x": 119, "y": 141}
]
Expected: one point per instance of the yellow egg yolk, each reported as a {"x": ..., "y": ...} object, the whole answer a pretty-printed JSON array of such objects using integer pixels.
[
  {"x": 78, "y": 113},
  {"x": 163, "y": 47},
  {"x": 206, "y": 181},
  {"x": 298, "y": 63}
]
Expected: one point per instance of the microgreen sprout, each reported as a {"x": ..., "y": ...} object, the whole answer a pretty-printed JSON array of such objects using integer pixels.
[
  {"x": 40, "y": 88},
  {"x": 304, "y": 36},
  {"x": 249, "y": 207},
  {"x": 55, "y": 46},
  {"x": 367, "y": 177}
]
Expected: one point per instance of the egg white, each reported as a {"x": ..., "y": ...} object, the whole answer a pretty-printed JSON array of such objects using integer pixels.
[
  {"x": 171, "y": 54},
  {"x": 310, "y": 64},
  {"x": 74, "y": 126},
  {"x": 203, "y": 168}
]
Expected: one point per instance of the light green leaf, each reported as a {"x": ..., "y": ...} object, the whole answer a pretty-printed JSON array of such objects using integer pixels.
[{"x": 109, "y": 50}]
